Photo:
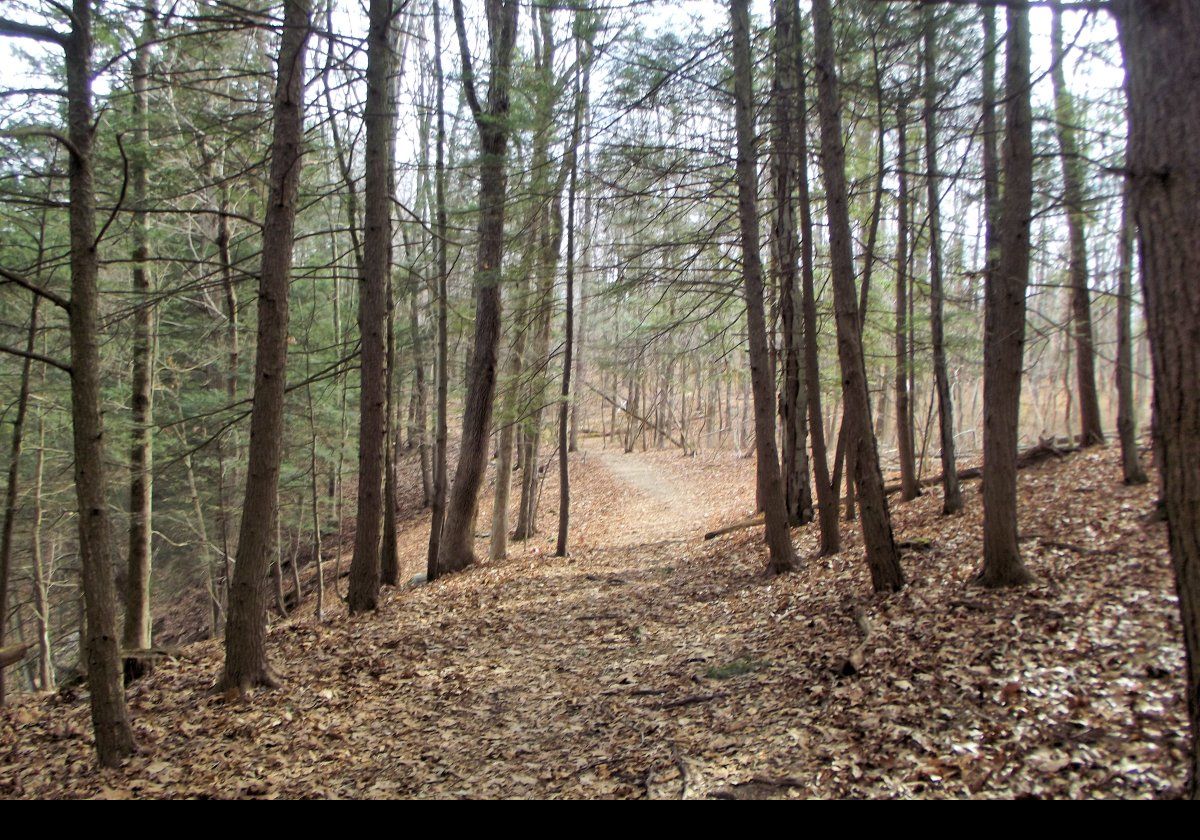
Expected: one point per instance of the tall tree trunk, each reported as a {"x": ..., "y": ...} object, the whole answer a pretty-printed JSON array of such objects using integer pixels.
[
  {"x": 951, "y": 494},
  {"x": 440, "y": 435},
  {"x": 1131, "y": 465},
  {"x": 770, "y": 483},
  {"x": 1159, "y": 40},
  {"x": 882, "y": 556},
  {"x": 141, "y": 447},
  {"x": 1091, "y": 430},
  {"x": 372, "y": 311},
  {"x": 793, "y": 409},
  {"x": 11, "y": 490},
  {"x": 910, "y": 488},
  {"x": 1004, "y": 322},
  {"x": 110, "y": 718},
  {"x": 827, "y": 515},
  {"x": 457, "y": 550},
  {"x": 245, "y": 630}
]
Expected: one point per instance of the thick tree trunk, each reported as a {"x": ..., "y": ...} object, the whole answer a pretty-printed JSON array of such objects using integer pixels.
[
  {"x": 457, "y": 550},
  {"x": 1074, "y": 197},
  {"x": 951, "y": 494},
  {"x": 245, "y": 630},
  {"x": 1159, "y": 40},
  {"x": 363, "y": 594},
  {"x": 1004, "y": 322},
  {"x": 882, "y": 556}
]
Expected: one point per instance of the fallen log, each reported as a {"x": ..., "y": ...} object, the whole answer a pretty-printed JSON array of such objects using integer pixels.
[
  {"x": 13, "y": 654},
  {"x": 1045, "y": 449}
]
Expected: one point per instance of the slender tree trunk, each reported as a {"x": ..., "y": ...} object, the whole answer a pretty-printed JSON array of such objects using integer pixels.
[
  {"x": 372, "y": 312},
  {"x": 882, "y": 557},
  {"x": 141, "y": 450},
  {"x": 11, "y": 490},
  {"x": 1131, "y": 465},
  {"x": 1074, "y": 188},
  {"x": 910, "y": 487},
  {"x": 1159, "y": 40},
  {"x": 951, "y": 494},
  {"x": 779, "y": 538},
  {"x": 441, "y": 359},
  {"x": 1004, "y": 323},
  {"x": 245, "y": 630},
  {"x": 827, "y": 515},
  {"x": 797, "y": 490},
  {"x": 456, "y": 550},
  {"x": 110, "y": 719}
]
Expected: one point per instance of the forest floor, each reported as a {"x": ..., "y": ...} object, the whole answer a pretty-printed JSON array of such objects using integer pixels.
[{"x": 650, "y": 663}]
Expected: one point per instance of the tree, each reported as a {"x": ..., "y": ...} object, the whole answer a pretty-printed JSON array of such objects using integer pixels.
[
  {"x": 245, "y": 630},
  {"x": 1004, "y": 321},
  {"x": 1075, "y": 200},
  {"x": 770, "y": 484},
  {"x": 373, "y": 310},
  {"x": 951, "y": 494},
  {"x": 456, "y": 548},
  {"x": 137, "y": 634},
  {"x": 882, "y": 556},
  {"x": 793, "y": 408},
  {"x": 910, "y": 488},
  {"x": 1159, "y": 41}
]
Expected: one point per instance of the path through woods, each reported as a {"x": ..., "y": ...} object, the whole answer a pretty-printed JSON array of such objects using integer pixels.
[{"x": 650, "y": 663}]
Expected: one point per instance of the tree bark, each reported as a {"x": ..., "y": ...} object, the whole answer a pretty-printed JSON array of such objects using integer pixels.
[
  {"x": 1131, "y": 465},
  {"x": 245, "y": 630},
  {"x": 1004, "y": 322},
  {"x": 904, "y": 432},
  {"x": 137, "y": 634},
  {"x": 1159, "y": 41},
  {"x": 770, "y": 483},
  {"x": 951, "y": 494},
  {"x": 372, "y": 312},
  {"x": 882, "y": 556},
  {"x": 1074, "y": 197},
  {"x": 456, "y": 550}
]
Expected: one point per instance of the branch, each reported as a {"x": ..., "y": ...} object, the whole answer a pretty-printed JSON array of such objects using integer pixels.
[
  {"x": 468, "y": 69},
  {"x": 16, "y": 29},
  {"x": 29, "y": 285},
  {"x": 37, "y": 357}
]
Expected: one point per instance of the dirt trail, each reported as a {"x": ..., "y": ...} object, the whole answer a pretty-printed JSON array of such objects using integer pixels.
[{"x": 668, "y": 508}]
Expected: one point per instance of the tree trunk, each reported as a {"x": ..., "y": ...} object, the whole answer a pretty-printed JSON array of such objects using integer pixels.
[
  {"x": 245, "y": 630},
  {"x": 951, "y": 494},
  {"x": 882, "y": 557},
  {"x": 779, "y": 538},
  {"x": 1074, "y": 188},
  {"x": 904, "y": 433},
  {"x": 1159, "y": 41},
  {"x": 457, "y": 550},
  {"x": 1004, "y": 322},
  {"x": 827, "y": 516},
  {"x": 372, "y": 312},
  {"x": 1131, "y": 465},
  {"x": 797, "y": 490}
]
